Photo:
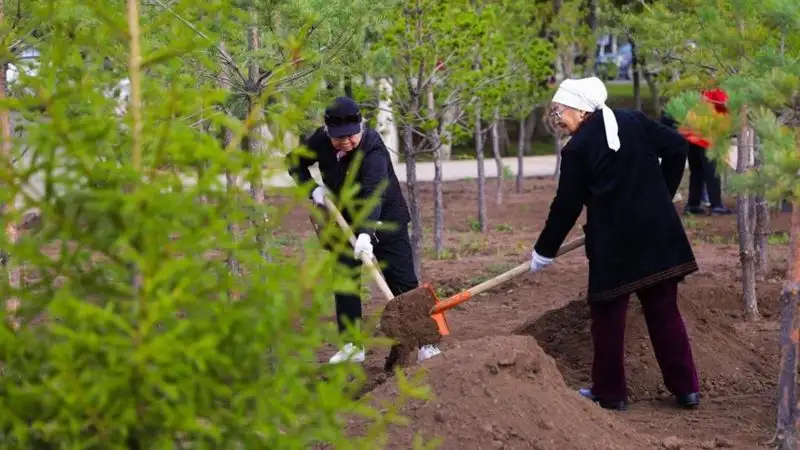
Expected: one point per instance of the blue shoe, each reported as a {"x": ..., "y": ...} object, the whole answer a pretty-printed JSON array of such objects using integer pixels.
[{"x": 616, "y": 405}]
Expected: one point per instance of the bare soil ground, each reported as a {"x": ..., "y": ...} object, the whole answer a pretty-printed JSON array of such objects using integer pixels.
[{"x": 516, "y": 355}]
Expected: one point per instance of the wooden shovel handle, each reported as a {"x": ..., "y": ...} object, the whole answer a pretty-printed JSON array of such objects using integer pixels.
[
  {"x": 521, "y": 269},
  {"x": 374, "y": 270}
]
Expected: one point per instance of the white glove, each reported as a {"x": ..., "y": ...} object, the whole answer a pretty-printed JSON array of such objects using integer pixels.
[
  {"x": 539, "y": 262},
  {"x": 318, "y": 195},
  {"x": 363, "y": 246}
]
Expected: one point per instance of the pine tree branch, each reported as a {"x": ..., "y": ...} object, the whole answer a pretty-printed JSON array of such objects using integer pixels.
[{"x": 227, "y": 59}]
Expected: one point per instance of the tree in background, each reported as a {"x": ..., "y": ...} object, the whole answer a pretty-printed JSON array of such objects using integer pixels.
[
  {"x": 751, "y": 51},
  {"x": 530, "y": 66},
  {"x": 431, "y": 48},
  {"x": 712, "y": 59},
  {"x": 575, "y": 43}
]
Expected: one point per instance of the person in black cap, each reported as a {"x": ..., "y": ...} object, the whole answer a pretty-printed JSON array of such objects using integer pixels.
[{"x": 335, "y": 147}]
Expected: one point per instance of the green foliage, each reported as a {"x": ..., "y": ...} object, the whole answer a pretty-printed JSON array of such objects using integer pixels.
[
  {"x": 750, "y": 50},
  {"x": 134, "y": 332},
  {"x": 491, "y": 55},
  {"x": 521, "y": 60}
]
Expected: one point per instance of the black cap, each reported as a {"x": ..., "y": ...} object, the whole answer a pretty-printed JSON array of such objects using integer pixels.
[{"x": 343, "y": 118}]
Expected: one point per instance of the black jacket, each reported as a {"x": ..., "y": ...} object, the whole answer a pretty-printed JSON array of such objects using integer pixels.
[
  {"x": 634, "y": 236},
  {"x": 375, "y": 168}
]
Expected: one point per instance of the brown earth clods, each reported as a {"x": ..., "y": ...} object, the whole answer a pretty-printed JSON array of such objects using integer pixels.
[
  {"x": 505, "y": 392},
  {"x": 564, "y": 333},
  {"x": 407, "y": 319}
]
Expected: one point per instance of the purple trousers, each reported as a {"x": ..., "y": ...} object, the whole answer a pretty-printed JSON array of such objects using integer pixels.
[{"x": 667, "y": 334}]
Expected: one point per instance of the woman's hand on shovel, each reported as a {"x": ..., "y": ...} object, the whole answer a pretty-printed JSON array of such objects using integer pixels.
[
  {"x": 539, "y": 262},
  {"x": 363, "y": 246}
]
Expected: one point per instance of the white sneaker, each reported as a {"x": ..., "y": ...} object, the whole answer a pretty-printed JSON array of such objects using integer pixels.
[
  {"x": 427, "y": 352},
  {"x": 348, "y": 353}
]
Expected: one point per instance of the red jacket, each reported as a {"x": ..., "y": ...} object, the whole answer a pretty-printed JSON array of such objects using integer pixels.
[{"x": 719, "y": 99}]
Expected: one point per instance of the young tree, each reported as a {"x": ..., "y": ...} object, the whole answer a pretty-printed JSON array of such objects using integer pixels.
[
  {"x": 752, "y": 48},
  {"x": 717, "y": 54},
  {"x": 530, "y": 57},
  {"x": 168, "y": 360},
  {"x": 18, "y": 35},
  {"x": 430, "y": 48},
  {"x": 573, "y": 39},
  {"x": 515, "y": 73}
]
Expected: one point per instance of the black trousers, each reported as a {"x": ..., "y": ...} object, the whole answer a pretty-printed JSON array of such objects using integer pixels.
[
  {"x": 393, "y": 251},
  {"x": 702, "y": 172}
]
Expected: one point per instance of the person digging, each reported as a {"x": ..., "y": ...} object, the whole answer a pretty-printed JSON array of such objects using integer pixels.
[
  {"x": 334, "y": 147},
  {"x": 635, "y": 241}
]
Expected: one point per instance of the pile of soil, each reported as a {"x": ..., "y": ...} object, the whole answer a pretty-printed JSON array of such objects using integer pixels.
[
  {"x": 504, "y": 393},
  {"x": 727, "y": 365},
  {"x": 407, "y": 320}
]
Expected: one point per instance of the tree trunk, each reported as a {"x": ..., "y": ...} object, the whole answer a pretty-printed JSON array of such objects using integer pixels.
[
  {"x": 591, "y": 21},
  {"x": 481, "y": 173},
  {"x": 498, "y": 159},
  {"x": 257, "y": 139},
  {"x": 413, "y": 194},
  {"x": 521, "y": 154},
  {"x": 385, "y": 119},
  {"x": 505, "y": 138},
  {"x": 348, "y": 86},
  {"x": 438, "y": 200},
  {"x": 637, "y": 84},
  {"x": 786, "y": 429},
  {"x": 438, "y": 206},
  {"x": 559, "y": 65},
  {"x": 744, "y": 223},
  {"x": 558, "y": 142},
  {"x": 761, "y": 229},
  {"x": 655, "y": 96},
  {"x": 15, "y": 274},
  {"x": 231, "y": 179}
]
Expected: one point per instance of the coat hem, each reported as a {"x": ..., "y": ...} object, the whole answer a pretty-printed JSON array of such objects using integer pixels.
[{"x": 674, "y": 272}]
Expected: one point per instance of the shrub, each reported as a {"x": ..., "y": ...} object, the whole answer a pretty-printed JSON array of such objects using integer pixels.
[{"x": 133, "y": 331}]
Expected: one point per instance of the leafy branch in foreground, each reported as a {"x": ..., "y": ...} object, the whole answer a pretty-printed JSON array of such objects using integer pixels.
[{"x": 129, "y": 335}]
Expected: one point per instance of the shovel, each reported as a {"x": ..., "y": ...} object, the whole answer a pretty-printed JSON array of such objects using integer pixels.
[
  {"x": 410, "y": 334},
  {"x": 440, "y": 306},
  {"x": 372, "y": 265},
  {"x": 521, "y": 269},
  {"x": 423, "y": 302}
]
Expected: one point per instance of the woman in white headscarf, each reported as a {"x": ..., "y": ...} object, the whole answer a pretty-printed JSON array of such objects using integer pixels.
[{"x": 635, "y": 241}]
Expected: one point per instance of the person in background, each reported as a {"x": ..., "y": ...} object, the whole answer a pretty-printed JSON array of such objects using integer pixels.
[
  {"x": 334, "y": 147},
  {"x": 704, "y": 184},
  {"x": 635, "y": 240}
]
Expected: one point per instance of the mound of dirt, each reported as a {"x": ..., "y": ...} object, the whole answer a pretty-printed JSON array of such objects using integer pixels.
[
  {"x": 725, "y": 363},
  {"x": 504, "y": 393}
]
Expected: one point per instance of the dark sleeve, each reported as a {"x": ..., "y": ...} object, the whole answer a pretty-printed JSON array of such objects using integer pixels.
[
  {"x": 672, "y": 148},
  {"x": 374, "y": 178},
  {"x": 567, "y": 204},
  {"x": 298, "y": 164}
]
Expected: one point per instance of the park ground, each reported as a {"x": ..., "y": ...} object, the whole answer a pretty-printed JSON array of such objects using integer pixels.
[{"x": 517, "y": 354}]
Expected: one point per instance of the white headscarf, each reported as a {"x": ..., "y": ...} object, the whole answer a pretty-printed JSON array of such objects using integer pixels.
[{"x": 589, "y": 94}]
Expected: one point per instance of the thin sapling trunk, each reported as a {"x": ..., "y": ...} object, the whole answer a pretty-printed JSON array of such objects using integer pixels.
[
  {"x": 747, "y": 251},
  {"x": 520, "y": 155},
  {"x": 413, "y": 193},
  {"x": 498, "y": 159},
  {"x": 481, "y": 169},
  {"x": 786, "y": 428},
  {"x": 762, "y": 222}
]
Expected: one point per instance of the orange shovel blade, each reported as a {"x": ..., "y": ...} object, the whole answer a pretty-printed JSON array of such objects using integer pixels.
[{"x": 441, "y": 321}]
